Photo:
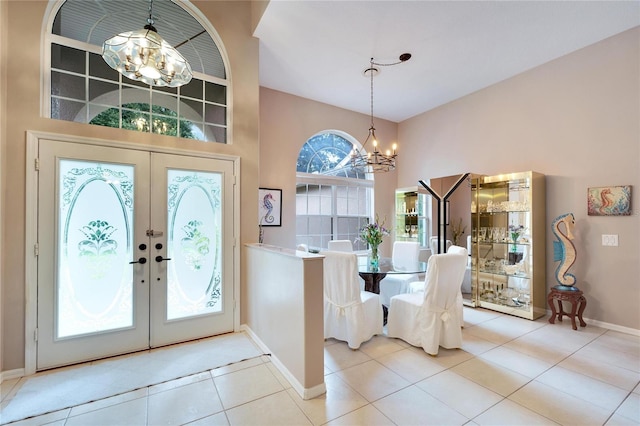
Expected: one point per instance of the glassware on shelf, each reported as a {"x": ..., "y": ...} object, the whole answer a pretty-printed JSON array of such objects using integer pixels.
[
  {"x": 407, "y": 228},
  {"x": 483, "y": 233},
  {"x": 413, "y": 229}
]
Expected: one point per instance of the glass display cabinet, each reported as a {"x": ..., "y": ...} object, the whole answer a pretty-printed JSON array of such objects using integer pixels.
[
  {"x": 411, "y": 221},
  {"x": 508, "y": 244}
]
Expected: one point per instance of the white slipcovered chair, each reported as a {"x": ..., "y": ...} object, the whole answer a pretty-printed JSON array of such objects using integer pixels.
[
  {"x": 404, "y": 252},
  {"x": 465, "y": 277},
  {"x": 340, "y": 245},
  {"x": 350, "y": 315},
  {"x": 433, "y": 245},
  {"x": 430, "y": 318}
]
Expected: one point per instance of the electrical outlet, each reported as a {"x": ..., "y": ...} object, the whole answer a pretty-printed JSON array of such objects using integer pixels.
[{"x": 610, "y": 240}]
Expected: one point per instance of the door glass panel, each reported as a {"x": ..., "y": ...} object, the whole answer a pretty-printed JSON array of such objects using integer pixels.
[
  {"x": 94, "y": 285},
  {"x": 194, "y": 243}
]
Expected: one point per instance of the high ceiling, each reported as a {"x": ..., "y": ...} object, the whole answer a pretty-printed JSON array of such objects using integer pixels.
[{"x": 319, "y": 49}]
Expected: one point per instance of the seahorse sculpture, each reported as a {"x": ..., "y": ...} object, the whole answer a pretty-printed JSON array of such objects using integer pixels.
[
  {"x": 564, "y": 251},
  {"x": 266, "y": 203}
]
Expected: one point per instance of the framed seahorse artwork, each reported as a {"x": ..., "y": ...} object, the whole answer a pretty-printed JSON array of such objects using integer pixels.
[
  {"x": 609, "y": 201},
  {"x": 269, "y": 207}
]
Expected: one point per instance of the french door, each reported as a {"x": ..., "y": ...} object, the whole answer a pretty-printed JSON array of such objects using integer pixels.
[{"x": 135, "y": 250}]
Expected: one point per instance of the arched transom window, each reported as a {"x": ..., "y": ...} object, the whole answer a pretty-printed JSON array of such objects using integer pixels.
[
  {"x": 333, "y": 200},
  {"x": 83, "y": 88}
]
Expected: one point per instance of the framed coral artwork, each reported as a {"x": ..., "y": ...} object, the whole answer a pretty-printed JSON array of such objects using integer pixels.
[{"x": 609, "y": 201}]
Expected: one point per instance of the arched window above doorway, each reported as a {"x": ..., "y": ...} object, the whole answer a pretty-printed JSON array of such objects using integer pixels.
[{"x": 82, "y": 86}]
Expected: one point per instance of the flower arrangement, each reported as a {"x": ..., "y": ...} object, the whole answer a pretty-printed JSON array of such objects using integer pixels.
[
  {"x": 458, "y": 231},
  {"x": 373, "y": 233}
]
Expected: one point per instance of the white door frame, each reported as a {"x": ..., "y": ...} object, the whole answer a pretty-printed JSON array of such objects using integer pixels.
[{"x": 31, "y": 226}]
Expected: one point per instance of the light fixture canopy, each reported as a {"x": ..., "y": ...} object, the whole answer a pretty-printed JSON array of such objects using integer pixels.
[
  {"x": 143, "y": 55},
  {"x": 375, "y": 161}
]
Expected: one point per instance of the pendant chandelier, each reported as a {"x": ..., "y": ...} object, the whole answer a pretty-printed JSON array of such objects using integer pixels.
[
  {"x": 143, "y": 55},
  {"x": 375, "y": 161}
]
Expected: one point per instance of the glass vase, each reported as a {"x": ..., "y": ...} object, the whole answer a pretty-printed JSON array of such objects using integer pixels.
[{"x": 374, "y": 256}]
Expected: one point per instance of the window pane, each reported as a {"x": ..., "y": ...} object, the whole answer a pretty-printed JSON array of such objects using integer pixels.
[
  {"x": 104, "y": 93},
  {"x": 191, "y": 110},
  {"x": 215, "y": 93},
  {"x": 67, "y": 58},
  {"x": 68, "y": 86},
  {"x": 216, "y": 134},
  {"x": 163, "y": 125},
  {"x": 193, "y": 89},
  {"x": 138, "y": 96},
  {"x": 215, "y": 114},
  {"x": 99, "y": 68},
  {"x": 62, "y": 109}
]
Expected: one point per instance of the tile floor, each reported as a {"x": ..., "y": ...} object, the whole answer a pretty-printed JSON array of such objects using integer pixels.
[{"x": 510, "y": 371}]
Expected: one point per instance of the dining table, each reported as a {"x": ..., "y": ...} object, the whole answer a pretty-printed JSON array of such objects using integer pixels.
[{"x": 373, "y": 274}]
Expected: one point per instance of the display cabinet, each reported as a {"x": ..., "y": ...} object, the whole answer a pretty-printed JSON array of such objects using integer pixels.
[
  {"x": 411, "y": 222},
  {"x": 508, "y": 244}
]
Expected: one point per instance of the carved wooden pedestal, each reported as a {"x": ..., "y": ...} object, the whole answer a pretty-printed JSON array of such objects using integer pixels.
[{"x": 578, "y": 303}]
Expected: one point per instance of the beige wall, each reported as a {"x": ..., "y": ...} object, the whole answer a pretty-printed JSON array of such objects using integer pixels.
[
  {"x": 576, "y": 120},
  {"x": 232, "y": 21},
  {"x": 286, "y": 122}
]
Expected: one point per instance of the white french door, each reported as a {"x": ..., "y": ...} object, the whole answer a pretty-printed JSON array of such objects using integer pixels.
[{"x": 135, "y": 250}]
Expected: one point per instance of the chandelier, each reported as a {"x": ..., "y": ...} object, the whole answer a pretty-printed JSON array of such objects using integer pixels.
[
  {"x": 376, "y": 161},
  {"x": 143, "y": 55}
]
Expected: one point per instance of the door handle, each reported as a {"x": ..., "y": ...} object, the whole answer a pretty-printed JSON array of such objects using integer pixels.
[
  {"x": 141, "y": 261},
  {"x": 160, "y": 259}
]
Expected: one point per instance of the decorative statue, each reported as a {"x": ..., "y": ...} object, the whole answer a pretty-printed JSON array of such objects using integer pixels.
[{"x": 564, "y": 251}]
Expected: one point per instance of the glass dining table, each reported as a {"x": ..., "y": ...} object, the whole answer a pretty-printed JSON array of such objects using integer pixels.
[{"x": 372, "y": 275}]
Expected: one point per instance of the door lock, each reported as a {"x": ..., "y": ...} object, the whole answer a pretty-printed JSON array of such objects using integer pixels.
[
  {"x": 141, "y": 261},
  {"x": 160, "y": 259}
]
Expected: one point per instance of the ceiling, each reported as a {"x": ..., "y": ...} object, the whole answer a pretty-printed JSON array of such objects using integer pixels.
[{"x": 319, "y": 49}]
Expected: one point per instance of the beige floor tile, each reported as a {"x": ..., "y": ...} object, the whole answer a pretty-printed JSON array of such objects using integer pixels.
[
  {"x": 236, "y": 366},
  {"x": 475, "y": 345},
  {"x": 637, "y": 389},
  {"x": 630, "y": 408},
  {"x": 339, "y": 400},
  {"x": 107, "y": 402},
  {"x": 449, "y": 357},
  {"x": 182, "y": 381},
  {"x": 617, "y": 355},
  {"x": 132, "y": 413},
  {"x": 365, "y": 416},
  {"x": 517, "y": 361},
  {"x": 508, "y": 413},
  {"x": 219, "y": 419},
  {"x": 46, "y": 419},
  {"x": 478, "y": 315},
  {"x": 413, "y": 406},
  {"x": 380, "y": 345},
  {"x": 339, "y": 356},
  {"x": 584, "y": 387},
  {"x": 276, "y": 409},
  {"x": 372, "y": 380},
  {"x": 278, "y": 375},
  {"x": 413, "y": 366},
  {"x": 460, "y": 393},
  {"x": 618, "y": 420},
  {"x": 246, "y": 385},
  {"x": 559, "y": 406},
  {"x": 485, "y": 373},
  {"x": 534, "y": 345},
  {"x": 6, "y": 387},
  {"x": 611, "y": 374},
  {"x": 184, "y": 404}
]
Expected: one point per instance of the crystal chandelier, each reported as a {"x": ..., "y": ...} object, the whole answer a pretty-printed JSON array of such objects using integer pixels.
[
  {"x": 143, "y": 55},
  {"x": 376, "y": 161}
]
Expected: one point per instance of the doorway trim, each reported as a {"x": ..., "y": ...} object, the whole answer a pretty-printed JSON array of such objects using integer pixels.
[{"x": 31, "y": 225}]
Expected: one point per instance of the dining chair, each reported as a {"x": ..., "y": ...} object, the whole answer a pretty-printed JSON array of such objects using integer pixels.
[
  {"x": 340, "y": 245},
  {"x": 430, "y": 318},
  {"x": 404, "y": 252},
  {"x": 465, "y": 277},
  {"x": 433, "y": 245},
  {"x": 350, "y": 315}
]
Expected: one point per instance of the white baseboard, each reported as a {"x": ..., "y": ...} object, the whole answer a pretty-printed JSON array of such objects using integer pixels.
[
  {"x": 305, "y": 393},
  {"x": 11, "y": 374}
]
